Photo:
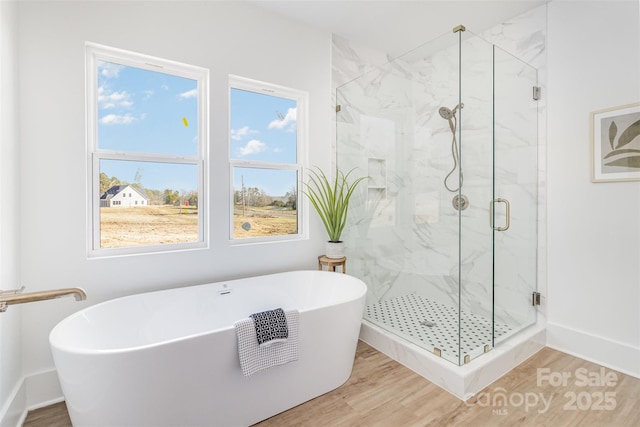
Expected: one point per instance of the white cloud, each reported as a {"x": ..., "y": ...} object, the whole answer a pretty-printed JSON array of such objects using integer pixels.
[
  {"x": 148, "y": 94},
  {"x": 288, "y": 122},
  {"x": 109, "y": 69},
  {"x": 252, "y": 147},
  {"x": 117, "y": 119},
  {"x": 238, "y": 134},
  {"x": 164, "y": 87},
  {"x": 189, "y": 94},
  {"x": 278, "y": 150},
  {"x": 108, "y": 100}
]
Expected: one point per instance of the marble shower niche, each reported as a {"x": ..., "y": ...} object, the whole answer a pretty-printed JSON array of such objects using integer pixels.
[{"x": 447, "y": 285}]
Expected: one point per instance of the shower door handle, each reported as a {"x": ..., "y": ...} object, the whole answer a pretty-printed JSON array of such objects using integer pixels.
[{"x": 507, "y": 214}]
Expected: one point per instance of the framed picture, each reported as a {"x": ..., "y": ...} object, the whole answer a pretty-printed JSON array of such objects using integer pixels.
[{"x": 615, "y": 144}]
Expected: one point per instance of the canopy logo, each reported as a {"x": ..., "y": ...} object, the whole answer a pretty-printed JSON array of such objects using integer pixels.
[{"x": 583, "y": 395}]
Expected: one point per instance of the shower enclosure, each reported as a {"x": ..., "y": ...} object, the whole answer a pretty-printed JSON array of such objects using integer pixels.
[{"x": 444, "y": 231}]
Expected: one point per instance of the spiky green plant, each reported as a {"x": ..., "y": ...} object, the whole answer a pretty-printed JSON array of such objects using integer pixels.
[{"x": 331, "y": 199}]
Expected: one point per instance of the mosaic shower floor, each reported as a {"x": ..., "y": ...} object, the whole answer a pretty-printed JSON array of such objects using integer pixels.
[{"x": 434, "y": 325}]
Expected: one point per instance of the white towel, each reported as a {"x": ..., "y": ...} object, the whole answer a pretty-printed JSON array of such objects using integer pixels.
[{"x": 255, "y": 358}]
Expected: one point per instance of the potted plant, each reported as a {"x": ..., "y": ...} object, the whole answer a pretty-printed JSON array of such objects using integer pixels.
[{"x": 331, "y": 201}]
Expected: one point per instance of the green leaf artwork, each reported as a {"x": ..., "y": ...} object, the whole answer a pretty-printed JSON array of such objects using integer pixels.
[
  {"x": 613, "y": 131},
  {"x": 624, "y": 157},
  {"x": 629, "y": 134}
]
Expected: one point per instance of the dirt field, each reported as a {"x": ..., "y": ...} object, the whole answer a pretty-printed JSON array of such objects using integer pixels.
[
  {"x": 154, "y": 225},
  {"x": 147, "y": 225},
  {"x": 263, "y": 222}
]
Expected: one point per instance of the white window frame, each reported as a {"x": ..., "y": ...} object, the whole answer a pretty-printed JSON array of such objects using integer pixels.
[
  {"x": 301, "y": 98},
  {"x": 96, "y": 52}
]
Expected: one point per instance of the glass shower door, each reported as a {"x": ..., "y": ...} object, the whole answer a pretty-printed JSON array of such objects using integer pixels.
[
  {"x": 402, "y": 238},
  {"x": 514, "y": 203},
  {"x": 476, "y": 154}
]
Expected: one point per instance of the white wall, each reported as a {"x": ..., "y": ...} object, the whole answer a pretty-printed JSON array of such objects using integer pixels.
[
  {"x": 594, "y": 228},
  {"x": 226, "y": 37},
  {"x": 11, "y": 393}
]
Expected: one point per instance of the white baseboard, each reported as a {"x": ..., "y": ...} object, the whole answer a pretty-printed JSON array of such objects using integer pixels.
[
  {"x": 43, "y": 389},
  {"x": 33, "y": 392},
  {"x": 15, "y": 412},
  {"x": 619, "y": 356}
]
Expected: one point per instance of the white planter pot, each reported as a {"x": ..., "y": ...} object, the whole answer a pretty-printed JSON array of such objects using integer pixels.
[{"x": 334, "y": 249}]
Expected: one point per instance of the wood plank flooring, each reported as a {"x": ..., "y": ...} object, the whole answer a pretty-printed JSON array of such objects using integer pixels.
[
  {"x": 549, "y": 389},
  {"x": 50, "y": 416}
]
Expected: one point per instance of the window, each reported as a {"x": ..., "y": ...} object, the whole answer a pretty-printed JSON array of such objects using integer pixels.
[
  {"x": 147, "y": 137},
  {"x": 267, "y": 151}
]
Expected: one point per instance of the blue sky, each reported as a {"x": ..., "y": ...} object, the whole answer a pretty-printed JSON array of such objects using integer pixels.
[
  {"x": 263, "y": 129},
  {"x": 151, "y": 112}
]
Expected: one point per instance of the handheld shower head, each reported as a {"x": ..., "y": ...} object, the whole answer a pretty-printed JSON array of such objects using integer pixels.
[
  {"x": 450, "y": 116},
  {"x": 447, "y": 113}
]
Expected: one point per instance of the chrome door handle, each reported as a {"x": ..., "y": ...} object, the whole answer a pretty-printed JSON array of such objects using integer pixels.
[{"x": 507, "y": 213}]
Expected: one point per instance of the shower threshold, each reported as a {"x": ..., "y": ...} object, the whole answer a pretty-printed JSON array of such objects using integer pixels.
[
  {"x": 435, "y": 326},
  {"x": 462, "y": 381}
]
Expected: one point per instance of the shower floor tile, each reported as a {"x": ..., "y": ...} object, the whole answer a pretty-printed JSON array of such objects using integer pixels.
[{"x": 433, "y": 325}]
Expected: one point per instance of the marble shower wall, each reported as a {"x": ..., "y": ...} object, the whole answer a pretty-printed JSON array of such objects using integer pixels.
[{"x": 403, "y": 233}]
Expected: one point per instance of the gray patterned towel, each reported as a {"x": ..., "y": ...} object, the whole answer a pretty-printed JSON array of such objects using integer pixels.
[
  {"x": 270, "y": 325},
  {"x": 255, "y": 357}
]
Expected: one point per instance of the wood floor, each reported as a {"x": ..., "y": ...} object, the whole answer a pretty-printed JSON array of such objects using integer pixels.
[
  {"x": 549, "y": 389},
  {"x": 49, "y": 416}
]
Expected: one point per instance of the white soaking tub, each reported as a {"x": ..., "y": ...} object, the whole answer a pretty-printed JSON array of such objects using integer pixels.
[{"x": 170, "y": 358}]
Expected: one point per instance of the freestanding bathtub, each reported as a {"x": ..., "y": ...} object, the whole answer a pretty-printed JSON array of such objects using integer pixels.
[{"x": 170, "y": 358}]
